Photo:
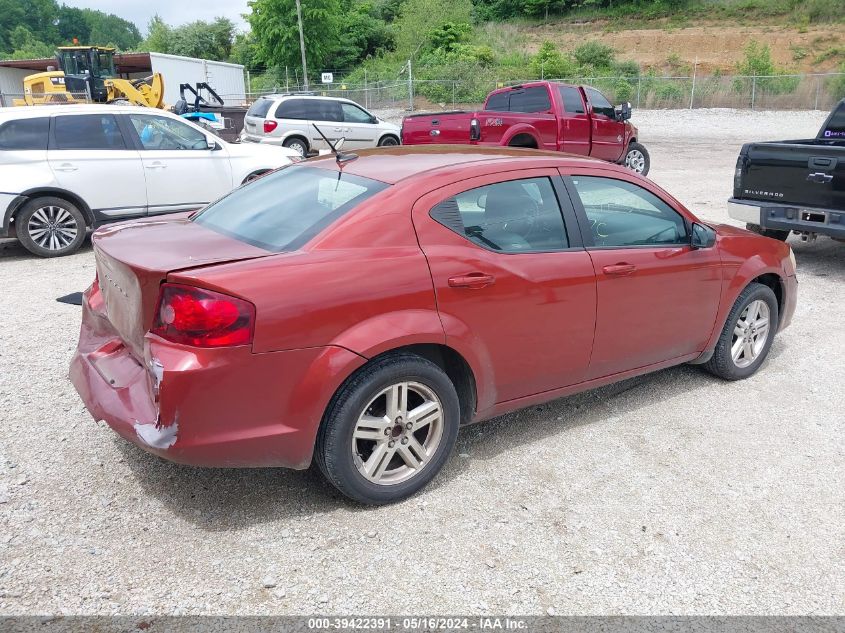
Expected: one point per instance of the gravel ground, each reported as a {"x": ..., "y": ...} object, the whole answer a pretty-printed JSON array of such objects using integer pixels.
[{"x": 675, "y": 493}]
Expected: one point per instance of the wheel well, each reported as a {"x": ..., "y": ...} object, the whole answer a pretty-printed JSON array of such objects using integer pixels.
[
  {"x": 774, "y": 282},
  {"x": 257, "y": 172},
  {"x": 388, "y": 134},
  {"x": 523, "y": 140},
  {"x": 455, "y": 367},
  {"x": 298, "y": 137},
  {"x": 54, "y": 193}
]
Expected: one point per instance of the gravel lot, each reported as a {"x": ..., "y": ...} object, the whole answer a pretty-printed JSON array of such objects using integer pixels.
[{"x": 675, "y": 493}]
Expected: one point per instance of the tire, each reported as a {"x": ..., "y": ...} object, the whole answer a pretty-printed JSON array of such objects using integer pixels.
[
  {"x": 50, "y": 227},
  {"x": 388, "y": 141},
  {"x": 772, "y": 233},
  {"x": 253, "y": 176},
  {"x": 384, "y": 445},
  {"x": 723, "y": 363},
  {"x": 298, "y": 145},
  {"x": 637, "y": 159}
]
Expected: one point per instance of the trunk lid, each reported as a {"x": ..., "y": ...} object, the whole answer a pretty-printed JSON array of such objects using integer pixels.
[{"x": 134, "y": 258}]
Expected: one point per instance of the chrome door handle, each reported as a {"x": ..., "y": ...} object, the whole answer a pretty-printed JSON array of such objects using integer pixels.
[
  {"x": 472, "y": 280},
  {"x": 156, "y": 165},
  {"x": 67, "y": 167}
]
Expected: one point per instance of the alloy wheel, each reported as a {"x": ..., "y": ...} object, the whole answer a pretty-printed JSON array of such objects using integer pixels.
[
  {"x": 635, "y": 160},
  {"x": 53, "y": 228},
  {"x": 398, "y": 433},
  {"x": 750, "y": 333}
]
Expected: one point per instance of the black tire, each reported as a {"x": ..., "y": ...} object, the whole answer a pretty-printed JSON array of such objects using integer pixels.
[
  {"x": 297, "y": 144},
  {"x": 630, "y": 154},
  {"x": 28, "y": 225},
  {"x": 772, "y": 233},
  {"x": 722, "y": 363},
  {"x": 388, "y": 141},
  {"x": 253, "y": 176},
  {"x": 334, "y": 446}
]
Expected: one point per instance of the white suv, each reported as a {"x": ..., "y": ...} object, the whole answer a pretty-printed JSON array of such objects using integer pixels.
[
  {"x": 289, "y": 120},
  {"x": 66, "y": 168}
]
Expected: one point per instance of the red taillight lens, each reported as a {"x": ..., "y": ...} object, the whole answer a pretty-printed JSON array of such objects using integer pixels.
[
  {"x": 202, "y": 318},
  {"x": 269, "y": 126}
]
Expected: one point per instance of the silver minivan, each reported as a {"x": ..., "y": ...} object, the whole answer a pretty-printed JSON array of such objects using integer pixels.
[{"x": 289, "y": 120}]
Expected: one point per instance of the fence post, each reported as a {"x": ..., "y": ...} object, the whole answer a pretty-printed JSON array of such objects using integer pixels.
[
  {"x": 818, "y": 87},
  {"x": 410, "y": 87},
  {"x": 454, "y": 87},
  {"x": 753, "y": 90},
  {"x": 639, "y": 85},
  {"x": 366, "y": 93},
  {"x": 692, "y": 92}
]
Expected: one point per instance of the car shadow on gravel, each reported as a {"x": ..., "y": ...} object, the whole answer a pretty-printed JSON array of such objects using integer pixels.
[
  {"x": 822, "y": 257},
  {"x": 226, "y": 499}
]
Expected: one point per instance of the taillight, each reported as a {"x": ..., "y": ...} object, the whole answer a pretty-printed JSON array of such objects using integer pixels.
[
  {"x": 474, "y": 130},
  {"x": 270, "y": 125},
  {"x": 202, "y": 318}
]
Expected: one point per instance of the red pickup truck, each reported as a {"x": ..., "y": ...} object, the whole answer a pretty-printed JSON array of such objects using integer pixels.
[{"x": 542, "y": 115}]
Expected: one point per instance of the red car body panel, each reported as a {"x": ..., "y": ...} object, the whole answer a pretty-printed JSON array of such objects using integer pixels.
[
  {"x": 376, "y": 280},
  {"x": 589, "y": 133}
]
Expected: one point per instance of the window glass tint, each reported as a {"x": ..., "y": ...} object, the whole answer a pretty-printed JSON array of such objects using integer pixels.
[
  {"x": 572, "y": 101},
  {"x": 600, "y": 103},
  {"x": 530, "y": 100},
  {"x": 260, "y": 108},
  {"x": 292, "y": 109},
  {"x": 324, "y": 110},
  {"x": 25, "y": 134},
  {"x": 624, "y": 214},
  {"x": 498, "y": 102},
  {"x": 512, "y": 217},
  {"x": 87, "y": 131},
  {"x": 286, "y": 208},
  {"x": 354, "y": 114},
  {"x": 158, "y": 132},
  {"x": 835, "y": 128}
]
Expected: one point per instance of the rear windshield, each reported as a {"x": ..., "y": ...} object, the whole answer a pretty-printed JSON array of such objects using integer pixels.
[
  {"x": 260, "y": 108},
  {"x": 285, "y": 209}
]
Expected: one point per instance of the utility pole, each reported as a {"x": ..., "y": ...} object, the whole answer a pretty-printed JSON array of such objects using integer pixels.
[
  {"x": 410, "y": 86},
  {"x": 302, "y": 44}
]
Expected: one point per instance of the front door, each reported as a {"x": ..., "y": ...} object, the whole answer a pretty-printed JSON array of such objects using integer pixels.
[
  {"x": 657, "y": 296},
  {"x": 511, "y": 274},
  {"x": 359, "y": 127},
  {"x": 182, "y": 172},
  {"x": 608, "y": 133}
]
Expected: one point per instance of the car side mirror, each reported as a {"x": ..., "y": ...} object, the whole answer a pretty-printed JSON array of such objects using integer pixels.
[
  {"x": 702, "y": 236},
  {"x": 213, "y": 145},
  {"x": 623, "y": 111},
  {"x": 373, "y": 120}
]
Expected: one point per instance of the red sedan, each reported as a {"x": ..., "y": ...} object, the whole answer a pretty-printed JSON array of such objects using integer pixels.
[{"x": 358, "y": 312}]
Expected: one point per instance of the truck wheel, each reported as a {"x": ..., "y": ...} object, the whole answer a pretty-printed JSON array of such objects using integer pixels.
[
  {"x": 772, "y": 233},
  {"x": 637, "y": 159},
  {"x": 50, "y": 227},
  {"x": 747, "y": 335}
]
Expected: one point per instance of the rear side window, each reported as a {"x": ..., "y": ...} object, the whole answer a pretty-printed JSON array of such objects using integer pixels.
[
  {"x": 260, "y": 108},
  {"x": 530, "y": 100},
  {"x": 600, "y": 103},
  {"x": 572, "y": 101},
  {"x": 87, "y": 131},
  {"x": 25, "y": 134},
  {"x": 292, "y": 109},
  {"x": 324, "y": 110},
  {"x": 498, "y": 102},
  {"x": 285, "y": 209}
]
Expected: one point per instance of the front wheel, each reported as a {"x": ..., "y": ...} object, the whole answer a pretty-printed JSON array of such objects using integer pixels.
[
  {"x": 50, "y": 227},
  {"x": 637, "y": 159},
  {"x": 388, "y": 141},
  {"x": 389, "y": 429},
  {"x": 747, "y": 336}
]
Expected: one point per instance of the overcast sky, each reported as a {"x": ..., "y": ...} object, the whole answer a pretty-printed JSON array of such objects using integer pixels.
[{"x": 173, "y": 12}]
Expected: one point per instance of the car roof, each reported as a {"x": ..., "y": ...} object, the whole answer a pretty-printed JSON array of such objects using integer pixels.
[
  {"x": 394, "y": 164},
  {"x": 24, "y": 112},
  {"x": 294, "y": 95}
]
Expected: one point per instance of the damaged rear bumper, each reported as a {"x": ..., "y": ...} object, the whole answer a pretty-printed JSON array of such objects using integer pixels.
[{"x": 222, "y": 407}]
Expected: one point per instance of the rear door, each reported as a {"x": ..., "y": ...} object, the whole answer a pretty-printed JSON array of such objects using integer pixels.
[
  {"x": 326, "y": 114},
  {"x": 90, "y": 156},
  {"x": 509, "y": 269},
  {"x": 180, "y": 169},
  {"x": 574, "y": 121},
  {"x": 657, "y": 296},
  {"x": 608, "y": 133}
]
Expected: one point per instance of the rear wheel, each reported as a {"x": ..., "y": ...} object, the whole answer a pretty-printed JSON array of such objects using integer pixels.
[
  {"x": 297, "y": 145},
  {"x": 637, "y": 159},
  {"x": 772, "y": 233},
  {"x": 389, "y": 429},
  {"x": 50, "y": 227}
]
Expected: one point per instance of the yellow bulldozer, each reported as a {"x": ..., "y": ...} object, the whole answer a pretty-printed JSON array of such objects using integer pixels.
[{"x": 86, "y": 74}]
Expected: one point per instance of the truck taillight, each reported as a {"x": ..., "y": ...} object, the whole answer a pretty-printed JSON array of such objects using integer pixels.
[
  {"x": 269, "y": 126},
  {"x": 740, "y": 167},
  {"x": 202, "y": 318},
  {"x": 474, "y": 130}
]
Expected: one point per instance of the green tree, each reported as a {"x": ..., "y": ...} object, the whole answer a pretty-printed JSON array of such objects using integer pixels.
[
  {"x": 420, "y": 18},
  {"x": 26, "y": 46},
  {"x": 73, "y": 23},
  {"x": 159, "y": 35},
  {"x": 549, "y": 62}
]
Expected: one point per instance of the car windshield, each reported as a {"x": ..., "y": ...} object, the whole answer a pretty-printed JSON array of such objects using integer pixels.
[{"x": 285, "y": 209}]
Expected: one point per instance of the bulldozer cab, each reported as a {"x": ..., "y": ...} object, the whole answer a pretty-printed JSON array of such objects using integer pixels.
[{"x": 86, "y": 68}]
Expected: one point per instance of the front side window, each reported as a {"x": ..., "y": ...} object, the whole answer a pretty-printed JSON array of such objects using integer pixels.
[
  {"x": 600, "y": 103},
  {"x": 530, "y": 100},
  {"x": 163, "y": 133},
  {"x": 25, "y": 134},
  {"x": 285, "y": 209},
  {"x": 87, "y": 131},
  {"x": 511, "y": 217},
  {"x": 623, "y": 214},
  {"x": 354, "y": 114}
]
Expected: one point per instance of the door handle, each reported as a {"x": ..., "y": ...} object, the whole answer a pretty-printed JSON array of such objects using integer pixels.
[
  {"x": 156, "y": 165},
  {"x": 338, "y": 129},
  {"x": 820, "y": 177},
  {"x": 619, "y": 269},
  {"x": 472, "y": 280},
  {"x": 66, "y": 167}
]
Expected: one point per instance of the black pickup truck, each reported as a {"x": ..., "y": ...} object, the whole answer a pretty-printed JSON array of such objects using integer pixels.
[{"x": 784, "y": 186}]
